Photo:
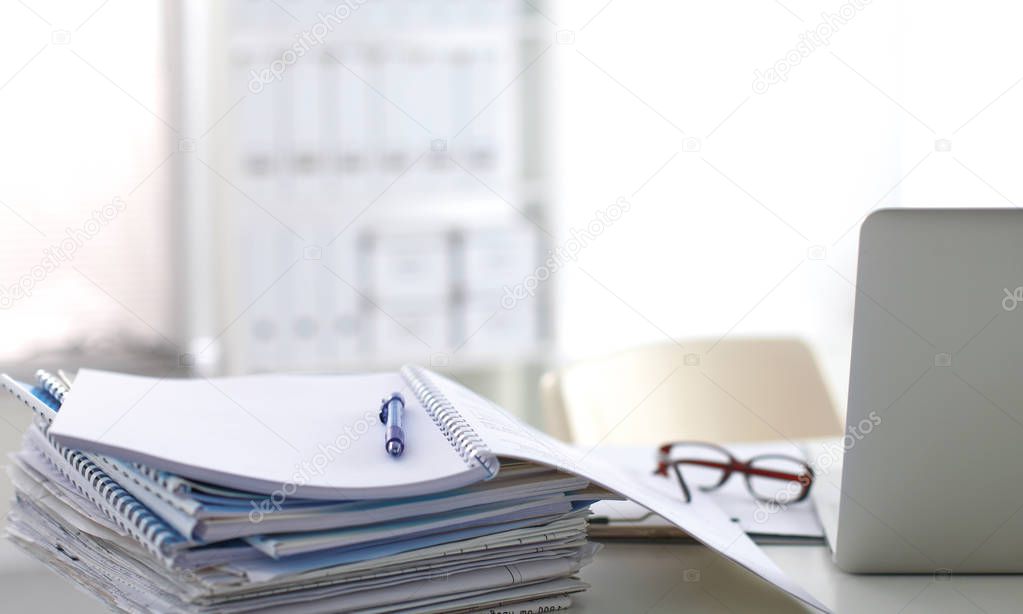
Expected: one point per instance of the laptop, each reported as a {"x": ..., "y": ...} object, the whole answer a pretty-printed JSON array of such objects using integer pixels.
[{"x": 931, "y": 480}]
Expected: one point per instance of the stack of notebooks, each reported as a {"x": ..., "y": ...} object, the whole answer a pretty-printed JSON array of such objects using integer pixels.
[{"x": 276, "y": 493}]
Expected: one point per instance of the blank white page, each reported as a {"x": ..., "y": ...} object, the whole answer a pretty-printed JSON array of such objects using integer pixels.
[{"x": 315, "y": 436}]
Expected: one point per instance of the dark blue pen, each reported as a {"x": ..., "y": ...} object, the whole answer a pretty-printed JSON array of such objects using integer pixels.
[{"x": 392, "y": 414}]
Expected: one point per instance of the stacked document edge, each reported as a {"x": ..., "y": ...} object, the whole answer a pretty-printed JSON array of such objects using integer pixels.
[{"x": 144, "y": 541}]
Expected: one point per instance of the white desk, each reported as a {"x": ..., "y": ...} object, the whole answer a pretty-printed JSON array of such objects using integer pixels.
[
  {"x": 653, "y": 578},
  {"x": 656, "y": 578}
]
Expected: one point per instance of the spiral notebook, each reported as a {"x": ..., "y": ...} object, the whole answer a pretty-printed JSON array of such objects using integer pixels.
[
  {"x": 232, "y": 432},
  {"x": 91, "y": 481},
  {"x": 328, "y": 444}
]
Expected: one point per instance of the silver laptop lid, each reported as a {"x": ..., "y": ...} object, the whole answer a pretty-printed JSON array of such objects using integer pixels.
[{"x": 937, "y": 364}]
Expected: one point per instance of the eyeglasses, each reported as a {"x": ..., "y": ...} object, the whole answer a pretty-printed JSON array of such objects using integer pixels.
[{"x": 773, "y": 478}]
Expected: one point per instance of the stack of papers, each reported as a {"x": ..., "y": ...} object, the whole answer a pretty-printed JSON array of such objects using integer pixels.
[
  {"x": 273, "y": 492},
  {"x": 144, "y": 539}
]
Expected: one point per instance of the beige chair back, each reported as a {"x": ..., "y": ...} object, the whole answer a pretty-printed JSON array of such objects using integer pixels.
[{"x": 710, "y": 390}]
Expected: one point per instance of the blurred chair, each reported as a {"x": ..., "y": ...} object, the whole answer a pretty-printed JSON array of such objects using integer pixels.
[{"x": 720, "y": 391}]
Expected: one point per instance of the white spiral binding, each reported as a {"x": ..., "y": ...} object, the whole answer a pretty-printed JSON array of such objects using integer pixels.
[
  {"x": 459, "y": 433},
  {"x": 43, "y": 420},
  {"x": 122, "y": 507},
  {"x": 115, "y": 502},
  {"x": 52, "y": 384}
]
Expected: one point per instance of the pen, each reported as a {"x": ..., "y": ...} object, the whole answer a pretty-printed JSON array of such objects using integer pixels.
[{"x": 392, "y": 410}]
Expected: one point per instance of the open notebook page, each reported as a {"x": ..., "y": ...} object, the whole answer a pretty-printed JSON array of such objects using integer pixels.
[
  {"x": 702, "y": 519},
  {"x": 311, "y": 436}
]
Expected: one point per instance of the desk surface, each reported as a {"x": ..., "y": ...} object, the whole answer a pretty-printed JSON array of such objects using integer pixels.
[
  {"x": 654, "y": 578},
  {"x": 660, "y": 578}
]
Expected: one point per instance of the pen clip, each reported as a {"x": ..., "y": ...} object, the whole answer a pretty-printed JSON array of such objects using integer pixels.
[
  {"x": 391, "y": 410},
  {"x": 386, "y": 403}
]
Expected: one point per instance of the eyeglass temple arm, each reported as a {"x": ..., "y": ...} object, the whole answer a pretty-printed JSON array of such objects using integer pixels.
[
  {"x": 682, "y": 482},
  {"x": 778, "y": 475},
  {"x": 744, "y": 468}
]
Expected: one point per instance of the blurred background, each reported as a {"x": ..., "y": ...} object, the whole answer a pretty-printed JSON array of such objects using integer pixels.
[{"x": 492, "y": 188}]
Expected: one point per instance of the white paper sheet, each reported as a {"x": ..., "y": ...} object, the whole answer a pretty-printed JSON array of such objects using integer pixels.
[
  {"x": 753, "y": 516},
  {"x": 702, "y": 519}
]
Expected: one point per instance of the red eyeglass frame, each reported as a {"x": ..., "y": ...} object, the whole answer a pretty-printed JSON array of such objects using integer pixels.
[{"x": 734, "y": 465}]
